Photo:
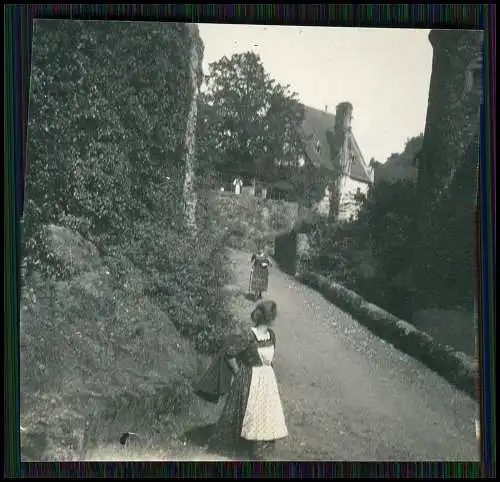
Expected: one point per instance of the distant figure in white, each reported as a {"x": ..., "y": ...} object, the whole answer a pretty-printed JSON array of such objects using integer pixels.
[{"x": 237, "y": 183}]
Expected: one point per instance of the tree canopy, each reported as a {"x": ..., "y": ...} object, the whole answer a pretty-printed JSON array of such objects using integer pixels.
[
  {"x": 248, "y": 122},
  {"x": 399, "y": 166}
]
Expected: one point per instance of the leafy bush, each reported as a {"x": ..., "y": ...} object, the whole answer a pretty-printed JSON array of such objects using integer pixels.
[
  {"x": 185, "y": 278},
  {"x": 279, "y": 216},
  {"x": 285, "y": 251},
  {"x": 410, "y": 263},
  {"x": 380, "y": 241},
  {"x": 334, "y": 251}
]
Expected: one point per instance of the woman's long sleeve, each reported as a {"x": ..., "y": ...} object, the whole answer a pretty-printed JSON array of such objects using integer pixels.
[{"x": 235, "y": 344}]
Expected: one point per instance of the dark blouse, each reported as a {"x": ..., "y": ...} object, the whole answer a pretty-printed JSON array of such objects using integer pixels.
[
  {"x": 258, "y": 260},
  {"x": 244, "y": 347}
]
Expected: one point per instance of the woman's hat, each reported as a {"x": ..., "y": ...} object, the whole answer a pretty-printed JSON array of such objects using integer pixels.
[{"x": 264, "y": 313}]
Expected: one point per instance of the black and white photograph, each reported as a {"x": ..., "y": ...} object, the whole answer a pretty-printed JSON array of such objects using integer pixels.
[{"x": 250, "y": 242}]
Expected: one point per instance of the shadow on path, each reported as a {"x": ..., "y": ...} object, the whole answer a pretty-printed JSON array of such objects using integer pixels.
[{"x": 200, "y": 437}]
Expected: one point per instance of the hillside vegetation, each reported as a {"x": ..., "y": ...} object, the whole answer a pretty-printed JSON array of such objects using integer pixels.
[
  {"x": 119, "y": 298},
  {"x": 380, "y": 254},
  {"x": 247, "y": 220},
  {"x": 402, "y": 166}
]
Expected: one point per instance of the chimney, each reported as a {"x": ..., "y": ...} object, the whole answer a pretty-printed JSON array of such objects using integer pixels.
[
  {"x": 343, "y": 117},
  {"x": 326, "y": 107}
]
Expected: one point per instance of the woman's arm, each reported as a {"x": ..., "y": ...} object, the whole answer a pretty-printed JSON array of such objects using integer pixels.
[
  {"x": 236, "y": 344},
  {"x": 233, "y": 364}
]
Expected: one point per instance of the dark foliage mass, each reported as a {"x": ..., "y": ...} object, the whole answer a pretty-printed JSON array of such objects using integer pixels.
[
  {"x": 250, "y": 126},
  {"x": 249, "y": 120},
  {"x": 400, "y": 166},
  {"x": 106, "y": 124},
  {"x": 401, "y": 260},
  {"x": 108, "y": 110},
  {"x": 381, "y": 239}
]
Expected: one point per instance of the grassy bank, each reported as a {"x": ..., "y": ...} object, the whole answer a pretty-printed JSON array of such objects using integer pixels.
[
  {"x": 111, "y": 348},
  {"x": 246, "y": 219}
]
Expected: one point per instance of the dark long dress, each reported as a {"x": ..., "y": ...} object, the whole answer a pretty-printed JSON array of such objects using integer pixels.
[
  {"x": 260, "y": 273},
  {"x": 226, "y": 437}
]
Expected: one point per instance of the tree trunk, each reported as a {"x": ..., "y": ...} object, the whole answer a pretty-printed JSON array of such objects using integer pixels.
[{"x": 189, "y": 191}]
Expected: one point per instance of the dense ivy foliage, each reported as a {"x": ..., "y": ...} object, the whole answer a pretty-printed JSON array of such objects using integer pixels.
[
  {"x": 107, "y": 125},
  {"x": 446, "y": 231}
]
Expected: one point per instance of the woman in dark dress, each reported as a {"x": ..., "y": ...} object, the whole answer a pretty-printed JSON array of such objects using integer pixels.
[
  {"x": 259, "y": 276},
  {"x": 252, "y": 418}
]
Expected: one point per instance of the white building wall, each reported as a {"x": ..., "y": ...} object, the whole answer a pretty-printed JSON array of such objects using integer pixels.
[
  {"x": 323, "y": 206},
  {"x": 349, "y": 207}
]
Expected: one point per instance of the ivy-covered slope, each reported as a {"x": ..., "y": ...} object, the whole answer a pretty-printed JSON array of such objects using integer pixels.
[{"x": 116, "y": 305}]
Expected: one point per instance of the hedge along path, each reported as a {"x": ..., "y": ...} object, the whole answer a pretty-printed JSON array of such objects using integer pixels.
[
  {"x": 349, "y": 395},
  {"x": 454, "y": 366}
]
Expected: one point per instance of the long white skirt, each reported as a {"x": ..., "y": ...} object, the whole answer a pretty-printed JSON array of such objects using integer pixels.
[{"x": 264, "y": 418}]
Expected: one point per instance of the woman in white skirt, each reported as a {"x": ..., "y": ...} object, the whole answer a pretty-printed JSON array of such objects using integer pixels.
[{"x": 252, "y": 419}]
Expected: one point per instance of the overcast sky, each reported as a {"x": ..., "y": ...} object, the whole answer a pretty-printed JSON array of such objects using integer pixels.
[{"x": 384, "y": 73}]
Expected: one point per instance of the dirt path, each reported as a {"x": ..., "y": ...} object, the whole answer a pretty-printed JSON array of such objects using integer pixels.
[{"x": 347, "y": 394}]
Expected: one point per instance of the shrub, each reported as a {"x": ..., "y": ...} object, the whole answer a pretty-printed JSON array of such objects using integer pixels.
[
  {"x": 189, "y": 289},
  {"x": 279, "y": 216},
  {"x": 334, "y": 251},
  {"x": 430, "y": 264},
  {"x": 285, "y": 251},
  {"x": 381, "y": 237}
]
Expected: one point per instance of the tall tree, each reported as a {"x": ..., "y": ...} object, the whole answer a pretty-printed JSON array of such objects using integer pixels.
[{"x": 249, "y": 122}]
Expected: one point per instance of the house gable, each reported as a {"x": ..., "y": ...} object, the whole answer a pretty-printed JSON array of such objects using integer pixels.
[
  {"x": 323, "y": 146},
  {"x": 315, "y": 125},
  {"x": 358, "y": 171}
]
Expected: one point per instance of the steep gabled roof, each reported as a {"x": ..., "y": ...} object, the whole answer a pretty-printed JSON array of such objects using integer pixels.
[
  {"x": 319, "y": 126},
  {"x": 315, "y": 125},
  {"x": 359, "y": 170}
]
